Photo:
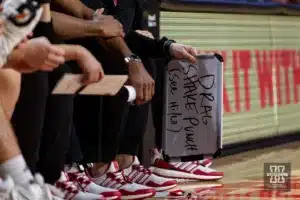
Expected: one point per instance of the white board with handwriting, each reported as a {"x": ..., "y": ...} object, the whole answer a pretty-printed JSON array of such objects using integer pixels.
[{"x": 193, "y": 107}]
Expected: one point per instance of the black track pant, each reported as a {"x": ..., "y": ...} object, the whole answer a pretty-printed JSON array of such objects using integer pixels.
[
  {"x": 107, "y": 126},
  {"x": 136, "y": 121},
  {"x": 42, "y": 123}
]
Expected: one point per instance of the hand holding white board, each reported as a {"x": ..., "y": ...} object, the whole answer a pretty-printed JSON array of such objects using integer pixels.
[{"x": 193, "y": 107}]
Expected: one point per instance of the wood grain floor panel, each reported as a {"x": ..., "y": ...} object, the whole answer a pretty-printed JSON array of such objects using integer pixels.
[{"x": 244, "y": 176}]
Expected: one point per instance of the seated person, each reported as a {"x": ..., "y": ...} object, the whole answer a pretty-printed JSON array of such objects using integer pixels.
[
  {"x": 18, "y": 182},
  {"x": 13, "y": 168}
]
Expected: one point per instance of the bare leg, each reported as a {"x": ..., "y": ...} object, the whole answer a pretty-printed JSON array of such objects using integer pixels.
[
  {"x": 124, "y": 160},
  {"x": 99, "y": 168},
  {"x": 12, "y": 162},
  {"x": 10, "y": 83},
  {"x": 9, "y": 92}
]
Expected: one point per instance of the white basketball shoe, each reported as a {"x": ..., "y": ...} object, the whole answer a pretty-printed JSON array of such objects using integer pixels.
[{"x": 35, "y": 190}]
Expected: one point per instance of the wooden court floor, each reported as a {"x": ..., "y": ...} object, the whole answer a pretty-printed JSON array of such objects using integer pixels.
[{"x": 244, "y": 174}]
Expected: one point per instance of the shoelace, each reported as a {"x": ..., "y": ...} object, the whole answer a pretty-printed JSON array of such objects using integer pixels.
[
  {"x": 119, "y": 177},
  {"x": 82, "y": 178},
  {"x": 198, "y": 162},
  {"x": 141, "y": 168},
  {"x": 68, "y": 186}
]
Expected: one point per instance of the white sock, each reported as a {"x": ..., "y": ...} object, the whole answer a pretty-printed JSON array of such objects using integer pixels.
[{"x": 17, "y": 169}]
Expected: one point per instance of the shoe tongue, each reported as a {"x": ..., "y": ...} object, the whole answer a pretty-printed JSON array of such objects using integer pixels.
[
  {"x": 73, "y": 169},
  {"x": 113, "y": 167},
  {"x": 63, "y": 177},
  {"x": 155, "y": 155},
  {"x": 135, "y": 161}
]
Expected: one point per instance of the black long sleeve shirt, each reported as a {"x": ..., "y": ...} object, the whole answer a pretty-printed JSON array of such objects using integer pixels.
[{"x": 129, "y": 13}]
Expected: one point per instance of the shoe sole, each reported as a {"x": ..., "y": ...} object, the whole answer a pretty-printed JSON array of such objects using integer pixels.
[
  {"x": 208, "y": 165},
  {"x": 111, "y": 198},
  {"x": 181, "y": 175},
  {"x": 139, "y": 196},
  {"x": 164, "y": 188}
]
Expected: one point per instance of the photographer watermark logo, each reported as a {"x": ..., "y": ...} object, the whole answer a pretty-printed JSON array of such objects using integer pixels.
[{"x": 277, "y": 176}]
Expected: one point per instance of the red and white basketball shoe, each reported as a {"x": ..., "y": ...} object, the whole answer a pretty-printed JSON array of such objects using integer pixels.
[
  {"x": 115, "y": 179},
  {"x": 82, "y": 181},
  {"x": 138, "y": 174},
  {"x": 72, "y": 192},
  {"x": 156, "y": 154},
  {"x": 185, "y": 170}
]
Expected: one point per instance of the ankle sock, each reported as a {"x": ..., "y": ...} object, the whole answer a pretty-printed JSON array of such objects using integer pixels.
[{"x": 17, "y": 169}]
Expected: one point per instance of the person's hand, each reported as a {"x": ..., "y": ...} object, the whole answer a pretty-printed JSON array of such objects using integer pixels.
[
  {"x": 28, "y": 37},
  {"x": 92, "y": 69},
  {"x": 110, "y": 27},
  {"x": 141, "y": 81},
  {"x": 145, "y": 33},
  {"x": 40, "y": 54},
  {"x": 181, "y": 51}
]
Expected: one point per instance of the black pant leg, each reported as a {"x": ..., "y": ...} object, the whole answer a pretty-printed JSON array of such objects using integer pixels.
[
  {"x": 134, "y": 129},
  {"x": 74, "y": 154},
  {"x": 157, "y": 102},
  {"x": 56, "y": 129},
  {"x": 99, "y": 119},
  {"x": 136, "y": 122},
  {"x": 28, "y": 117},
  {"x": 98, "y": 126},
  {"x": 87, "y": 121},
  {"x": 114, "y": 111}
]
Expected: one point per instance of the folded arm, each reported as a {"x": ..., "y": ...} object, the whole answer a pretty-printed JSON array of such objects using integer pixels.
[
  {"x": 16, "y": 58},
  {"x": 136, "y": 42},
  {"x": 68, "y": 27}
]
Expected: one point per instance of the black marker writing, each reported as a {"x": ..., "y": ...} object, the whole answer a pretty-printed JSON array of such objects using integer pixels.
[
  {"x": 190, "y": 88},
  {"x": 173, "y": 105},
  {"x": 189, "y": 133},
  {"x": 174, "y": 117},
  {"x": 190, "y": 68},
  {"x": 207, "y": 82},
  {"x": 175, "y": 131},
  {"x": 174, "y": 75}
]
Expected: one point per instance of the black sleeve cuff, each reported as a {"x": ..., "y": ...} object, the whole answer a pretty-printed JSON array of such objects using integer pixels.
[
  {"x": 147, "y": 47},
  {"x": 166, "y": 46}
]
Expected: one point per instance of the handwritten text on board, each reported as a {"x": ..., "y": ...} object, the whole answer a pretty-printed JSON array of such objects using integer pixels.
[{"x": 191, "y": 102}]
